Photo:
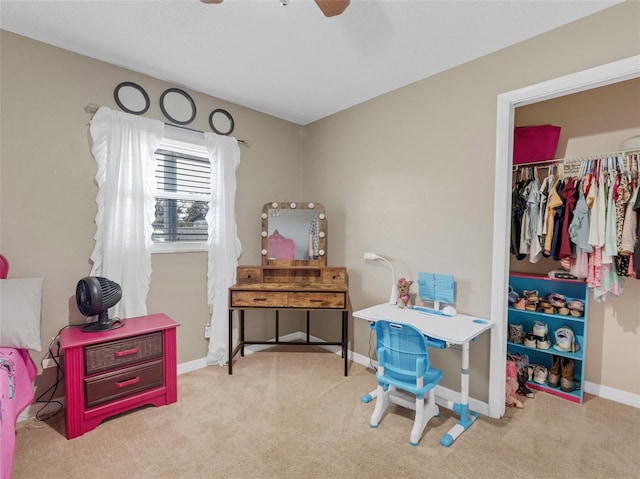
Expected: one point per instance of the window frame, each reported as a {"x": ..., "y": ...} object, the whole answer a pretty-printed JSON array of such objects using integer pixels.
[{"x": 188, "y": 142}]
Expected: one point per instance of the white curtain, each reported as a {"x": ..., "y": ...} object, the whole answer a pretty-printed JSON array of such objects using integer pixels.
[
  {"x": 123, "y": 147},
  {"x": 224, "y": 245}
]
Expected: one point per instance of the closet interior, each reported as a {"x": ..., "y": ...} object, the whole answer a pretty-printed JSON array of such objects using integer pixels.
[{"x": 583, "y": 214}]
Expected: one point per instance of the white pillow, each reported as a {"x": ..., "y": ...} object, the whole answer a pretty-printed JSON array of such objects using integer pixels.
[{"x": 20, "y": 308}]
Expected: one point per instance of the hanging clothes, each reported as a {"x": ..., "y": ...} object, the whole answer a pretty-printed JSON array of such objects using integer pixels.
[
  {"x": 518, "y": 207},
  {"x": 579, "y": 227},
  {"x": 554, "y": 202},
  {"x": 569, "y": 194},
  {"x": 590, "y": 223},
  {"x": 636, "y": 252},
  {"x": 536, "y": 251}
]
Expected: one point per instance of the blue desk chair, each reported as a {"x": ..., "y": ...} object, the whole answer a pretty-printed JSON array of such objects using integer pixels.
[{"x": 403, "y": 363}]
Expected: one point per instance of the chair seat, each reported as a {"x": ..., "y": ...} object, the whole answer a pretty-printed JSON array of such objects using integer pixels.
[{"x": 431, "y": 379}]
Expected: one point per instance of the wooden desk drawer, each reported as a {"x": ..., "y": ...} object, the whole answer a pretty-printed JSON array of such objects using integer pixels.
[
  {"x": 249, "y": 274},
  {"x": 123, "y": 382},
  {"x": 259, "y": 299},
  {"x": 335, "y": 276},
  {"x": 112, "y": 354},
  {"x": 316, "y": 300}
]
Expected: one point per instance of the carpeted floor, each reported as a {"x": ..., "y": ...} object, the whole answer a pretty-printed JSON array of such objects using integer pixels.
[{"x": 285, "y": 414}]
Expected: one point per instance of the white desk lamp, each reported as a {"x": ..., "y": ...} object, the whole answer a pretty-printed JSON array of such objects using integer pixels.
[{"x": 393, "y": 299}]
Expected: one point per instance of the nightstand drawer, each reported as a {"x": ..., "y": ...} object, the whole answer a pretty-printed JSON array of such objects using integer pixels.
[
  {"x": 101, "y": 357},
  {"x": 258, "y": 299},
  {"x": 316, "y": 300},
  {"x": 123, "y": 382}
]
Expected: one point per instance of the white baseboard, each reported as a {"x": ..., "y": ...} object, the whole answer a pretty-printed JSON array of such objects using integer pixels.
[
  {"x": 612, "y": 394},
  {"x": 445, "y": 394}
]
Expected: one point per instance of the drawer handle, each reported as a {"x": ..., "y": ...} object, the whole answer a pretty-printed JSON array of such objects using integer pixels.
[
  {"x": 128, "y": 382},
  {"x": 315, "y": 300},
  {"x": 126, "y": 352},
  {"x": 259, "y": 299}
]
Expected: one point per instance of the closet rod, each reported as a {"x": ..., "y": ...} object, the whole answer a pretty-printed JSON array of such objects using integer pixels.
[
  {"x": 569, "y": 163},
  {"x": 538, "y": 164},
  {"x": 92, "y": 108}
]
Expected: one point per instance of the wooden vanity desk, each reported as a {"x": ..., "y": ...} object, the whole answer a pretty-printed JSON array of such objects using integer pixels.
[{"x": 311, "y": 287}]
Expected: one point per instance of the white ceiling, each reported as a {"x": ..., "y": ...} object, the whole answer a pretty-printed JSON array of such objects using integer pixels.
[{"x": 289, "y": 61}]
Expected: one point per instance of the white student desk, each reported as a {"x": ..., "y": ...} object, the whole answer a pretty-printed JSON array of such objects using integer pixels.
[{"x": 446, "y": 330}]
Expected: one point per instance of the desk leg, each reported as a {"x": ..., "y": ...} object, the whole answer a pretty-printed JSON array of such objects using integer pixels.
[
  {"x": 240, "y": 347},
  {"x": 230, "y": 343},
  {"x": 345, "y": 340},
  {"x": 241, "y": 332},
  {"x": 467, "y": 418}
]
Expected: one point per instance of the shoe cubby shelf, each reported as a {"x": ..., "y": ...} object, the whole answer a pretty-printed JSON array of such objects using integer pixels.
[{"x": 545, "y": 286}]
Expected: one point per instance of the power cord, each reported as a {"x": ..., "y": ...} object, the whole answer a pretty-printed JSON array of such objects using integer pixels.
[{"x": 53, "y": 388}]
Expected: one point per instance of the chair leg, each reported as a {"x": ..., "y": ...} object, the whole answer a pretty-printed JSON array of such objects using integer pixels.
[
  {"x": 382, "y": 401},
  {"x": 424, "y": 413}
]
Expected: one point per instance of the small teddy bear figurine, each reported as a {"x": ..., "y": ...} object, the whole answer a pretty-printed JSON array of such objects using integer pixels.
[{"x": 404, "y": 298}]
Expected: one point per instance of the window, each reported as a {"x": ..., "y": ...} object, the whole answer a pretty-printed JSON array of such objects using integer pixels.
[{"x": 183, "y": 174}]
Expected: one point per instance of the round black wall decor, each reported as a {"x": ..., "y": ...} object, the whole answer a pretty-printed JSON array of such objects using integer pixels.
[
  {"x": 131, "y": 98},
  {"x": 177, "y": 106},
  {"x": 221, "y": 122}
]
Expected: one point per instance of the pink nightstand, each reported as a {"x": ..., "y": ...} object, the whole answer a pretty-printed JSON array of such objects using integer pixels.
[{"x": 110, "y": 372}]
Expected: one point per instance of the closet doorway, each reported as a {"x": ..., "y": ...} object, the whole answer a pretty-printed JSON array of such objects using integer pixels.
[{"x": 603, "y": 75}]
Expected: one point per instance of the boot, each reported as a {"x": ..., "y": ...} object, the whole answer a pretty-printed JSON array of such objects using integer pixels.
[
  {"x": 554, "y": 372},
  {"x": 567, "y": 380},
  {"x": 523, "y": 390}
]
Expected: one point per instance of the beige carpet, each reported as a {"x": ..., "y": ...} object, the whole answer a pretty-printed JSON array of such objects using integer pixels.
[{"x": 294, "y": 415}]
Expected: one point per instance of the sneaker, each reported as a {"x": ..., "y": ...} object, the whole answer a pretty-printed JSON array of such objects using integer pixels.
[
  {"x": 543, "y": 343},
  {"x": 540, "y": 374},
  {"x": 540, "y": 329},
  {"x": 530, "y": 340},
  {"x": 565, "y": 340}
]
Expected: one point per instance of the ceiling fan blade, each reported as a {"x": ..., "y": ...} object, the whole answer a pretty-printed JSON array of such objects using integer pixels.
[{"x": 331, "y": 8}]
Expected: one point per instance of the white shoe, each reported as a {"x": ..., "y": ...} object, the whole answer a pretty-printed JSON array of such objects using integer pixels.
[
  {"x": 565, "y": 340},
  {"x": 543, "y": 343},
  {"x": 540, "y": 329},
  {"x": 540, "y": 374}
]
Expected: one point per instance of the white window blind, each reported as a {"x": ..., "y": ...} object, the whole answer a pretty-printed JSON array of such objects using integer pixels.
[{"x": 182, "y": 176}]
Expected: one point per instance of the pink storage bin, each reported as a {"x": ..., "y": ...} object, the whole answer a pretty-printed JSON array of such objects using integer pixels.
[{"x": 533, "y": 144}]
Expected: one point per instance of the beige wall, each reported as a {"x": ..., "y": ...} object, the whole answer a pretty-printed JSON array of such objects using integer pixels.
[
  {"x": 48, "y": 189},
  {"x": 408, "y": 175}
]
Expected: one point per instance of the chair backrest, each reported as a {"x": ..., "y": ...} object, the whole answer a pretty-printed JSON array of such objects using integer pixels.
[{"x": 402, "y": 350}]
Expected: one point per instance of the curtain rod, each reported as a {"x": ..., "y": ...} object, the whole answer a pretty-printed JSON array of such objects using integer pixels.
[{"x": 92, "y": 108}]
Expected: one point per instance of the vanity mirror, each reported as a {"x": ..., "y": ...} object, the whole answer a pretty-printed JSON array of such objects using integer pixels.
[{"x": 294, "y": 234}]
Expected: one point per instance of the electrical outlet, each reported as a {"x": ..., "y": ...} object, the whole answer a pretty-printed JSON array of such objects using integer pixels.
[
  {"x": 207, "y": 331},
  {"x": 49, "y": 362}
]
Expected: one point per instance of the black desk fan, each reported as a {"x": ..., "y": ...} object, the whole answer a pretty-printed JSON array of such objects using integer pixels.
[{"x": 95, "y": 295}]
